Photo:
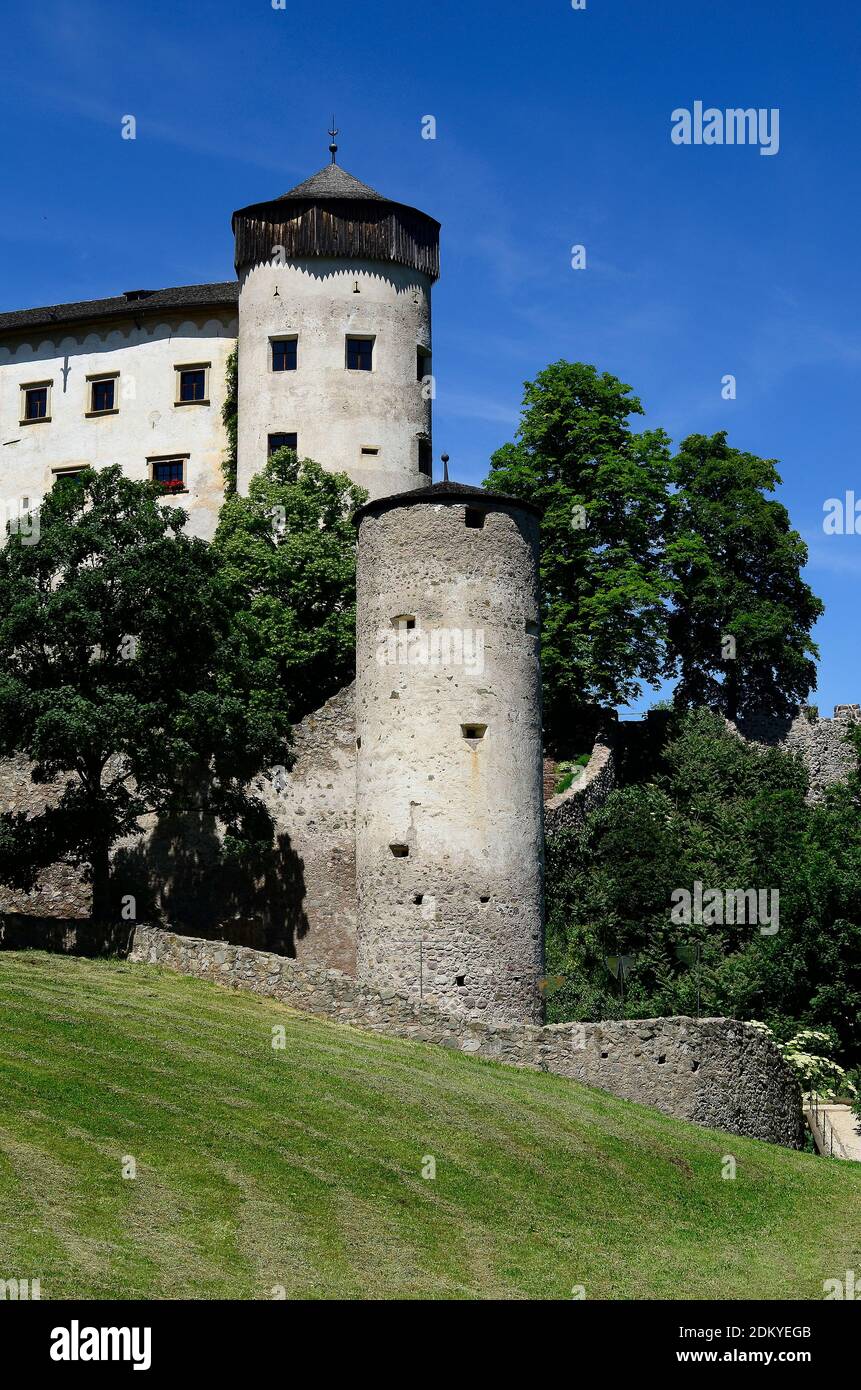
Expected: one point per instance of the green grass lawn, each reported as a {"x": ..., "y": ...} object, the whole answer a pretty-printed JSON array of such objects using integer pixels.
[{"x": 302, "y": 1168}]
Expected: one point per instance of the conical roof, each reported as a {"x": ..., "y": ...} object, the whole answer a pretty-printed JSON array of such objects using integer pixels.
[
  {"x": 334, "y": 214},
  {"x": 332, "y": 182}
]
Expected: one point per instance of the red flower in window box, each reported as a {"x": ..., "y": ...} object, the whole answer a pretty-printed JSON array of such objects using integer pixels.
[{"x": 174, "y": 485}]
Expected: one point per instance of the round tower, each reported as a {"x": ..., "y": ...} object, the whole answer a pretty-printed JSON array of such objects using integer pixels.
[
  {"x": 335, "y": 332},
  {"x": 449, "y": 825}
]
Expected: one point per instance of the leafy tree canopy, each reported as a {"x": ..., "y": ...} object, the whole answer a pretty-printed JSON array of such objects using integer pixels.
[
  {"x": 288, "y": 556},
  {"x": 731, "y": 816},
  {"x": 739, "y": 630},
  {"x": 124, "y": 678},
  {"x": 603, "y": 491}
]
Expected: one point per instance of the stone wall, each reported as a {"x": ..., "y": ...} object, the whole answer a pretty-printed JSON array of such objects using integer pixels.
[
  {"x": 823, "y": 745},
  {"x": 713, "y": 1072},
  {"x": 571, "y": 807},
  {"x": 301, "y": 902}
]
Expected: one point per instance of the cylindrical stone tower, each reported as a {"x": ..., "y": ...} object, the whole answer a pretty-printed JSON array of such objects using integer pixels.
[
  {"x": 335, "y": 332},
  {"x": 449, "y": 825}
]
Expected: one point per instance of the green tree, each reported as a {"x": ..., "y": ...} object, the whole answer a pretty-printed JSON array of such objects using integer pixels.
[
  {"x": 124, "y": 679},
  {"x": 731, "y": 816},
  {"x": 603, "y": 490},
  {"x": 288, "y": 555},
  {"x": 739, "y": 630}
]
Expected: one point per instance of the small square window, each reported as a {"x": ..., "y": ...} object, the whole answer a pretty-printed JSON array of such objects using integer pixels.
[
  {"x": 192, "y": 385},
  {"x": 281, "y": 441},
  {"x": 65, "y": 475},
  {"x": 170, "y": 473},
  {"x": 102, "y": 395},
  {"x": 36, "y": 402},
  {"x": 474, "y": 518},
  {"x": 360, "y": 354},
  {"x": 284, "y": 354}
]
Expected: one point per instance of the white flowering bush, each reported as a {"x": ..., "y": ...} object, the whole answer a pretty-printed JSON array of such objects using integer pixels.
[{"x": 806, "y": 1051}]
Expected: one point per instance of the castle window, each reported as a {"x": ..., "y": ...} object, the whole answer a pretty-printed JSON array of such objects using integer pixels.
[
  {"x": 404, "y": 620},
  {"x": 423, "y": 363},
  {"x": 473, "y": 731},
  {"x": 281, "y": 441},
  {"x": 284, "y": 354},
  {"x": 102, "y": 393},
  {"x": 460, "y": 981},
  {"x": 35, "y": 402},
  {"x": 370, "y": 451},
  {"x": 192, "y": 384},
  {"x": 425, "y": 457},
  {"x": 360, "y": 354},
  {"x": 170, "y": 472},
  {"x": 474, "y": 518},
  {"x": 400, "y": 851},
  {"x": 63, "y": 475}
]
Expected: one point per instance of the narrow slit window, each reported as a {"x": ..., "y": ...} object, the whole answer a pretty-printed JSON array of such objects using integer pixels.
[
  {"x": 370, "y": 451},
  {"x": 425, "y": 458},
  {"x": 473, "y": 731}
]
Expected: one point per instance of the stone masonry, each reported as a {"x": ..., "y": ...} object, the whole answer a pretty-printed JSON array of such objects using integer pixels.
[{"x": 713, "y": 1072}]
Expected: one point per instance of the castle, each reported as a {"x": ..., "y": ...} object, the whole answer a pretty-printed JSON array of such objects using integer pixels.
[
  {"x": 409, "y": 831},
  {"x": 417, "y": 861},
  {"x": 331, "y": 314}
]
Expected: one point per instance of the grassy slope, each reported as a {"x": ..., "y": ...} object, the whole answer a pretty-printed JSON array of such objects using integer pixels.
[{"x": 302, "y": 1168}]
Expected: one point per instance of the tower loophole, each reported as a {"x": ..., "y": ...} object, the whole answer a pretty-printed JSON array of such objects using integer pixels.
[{"x": 473, "y": 731}]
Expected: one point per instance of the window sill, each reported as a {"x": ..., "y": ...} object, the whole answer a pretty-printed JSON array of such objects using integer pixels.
[
  {"x": 41, "y": 420},
  {"x": 97, "y": 414},
  {"x": 206, "y": 402}
]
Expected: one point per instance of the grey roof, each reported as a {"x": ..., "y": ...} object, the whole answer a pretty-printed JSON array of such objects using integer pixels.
[
  {"x": 332, "y": 182},
  {"x": 132, "y": 304},
  {"x": 442, "y": 492}
]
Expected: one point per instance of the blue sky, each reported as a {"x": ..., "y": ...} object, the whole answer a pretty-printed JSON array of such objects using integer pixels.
[{"x": 553, "y": 128}]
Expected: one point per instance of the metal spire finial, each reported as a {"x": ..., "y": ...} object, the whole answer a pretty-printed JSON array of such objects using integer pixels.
[
  {"x": 333, "y": 148},
  {"x": 444, "y": 467}
]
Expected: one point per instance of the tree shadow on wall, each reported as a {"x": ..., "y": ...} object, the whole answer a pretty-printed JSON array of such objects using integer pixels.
[{"x": 179, "y": 875}]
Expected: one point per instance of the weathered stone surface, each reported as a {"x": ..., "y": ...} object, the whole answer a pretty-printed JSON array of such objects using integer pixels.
[
  {"x": 449, "y": 828},
  {"x": 713, "y": 1071},
  {"x": 571, "y": 807},
  {"x": 823, "y": 744},
  {"x": 303, "y": 906}
]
